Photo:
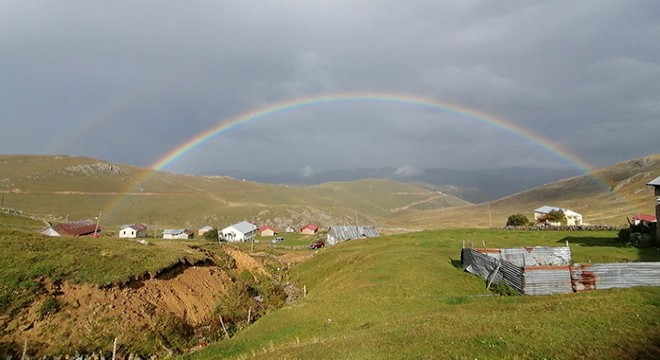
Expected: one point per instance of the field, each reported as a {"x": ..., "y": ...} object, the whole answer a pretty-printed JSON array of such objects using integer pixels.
[{"x": 405, "y": 297}]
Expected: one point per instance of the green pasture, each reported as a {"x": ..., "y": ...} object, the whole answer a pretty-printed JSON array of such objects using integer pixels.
[{"x": 405, "y": 297}]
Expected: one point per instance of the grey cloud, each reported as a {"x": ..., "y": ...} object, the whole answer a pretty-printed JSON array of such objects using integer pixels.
[{"x": 161, "y": 72}]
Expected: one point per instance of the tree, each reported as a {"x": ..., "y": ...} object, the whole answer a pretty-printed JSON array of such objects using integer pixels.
[
  {"x": 211, "y": 235},
  {"x": 554, "y": 216},
  {"x": 517, "y": 220}
]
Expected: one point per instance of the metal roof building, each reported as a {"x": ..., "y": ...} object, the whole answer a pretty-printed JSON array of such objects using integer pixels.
[
  {"x": 74, "y": 228},
  {"x": 337, "y": 234}
]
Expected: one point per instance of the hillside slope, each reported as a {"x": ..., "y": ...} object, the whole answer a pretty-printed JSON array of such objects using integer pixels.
[
  {"x": 606, "y": 196},
  {"x": 406, "y": 297},
  {"x": 56, "y": 188}
]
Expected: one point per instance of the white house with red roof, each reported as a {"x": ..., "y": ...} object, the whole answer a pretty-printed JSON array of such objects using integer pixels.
[
  {"x": 133, "y": 231},
  {"x": 267, "y": 230},
  {"x": 643, "y": 218},
  {"x": 309, "y": 229}
]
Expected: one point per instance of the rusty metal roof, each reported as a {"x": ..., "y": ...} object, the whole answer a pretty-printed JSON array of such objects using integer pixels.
[
  {"x": 615, "y": 275},
  {"x": 76, "y": 228},
  {"x": 136, "y": 227}
]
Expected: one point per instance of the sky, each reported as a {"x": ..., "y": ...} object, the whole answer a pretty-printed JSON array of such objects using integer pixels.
[{"x": 129, "y": 81}]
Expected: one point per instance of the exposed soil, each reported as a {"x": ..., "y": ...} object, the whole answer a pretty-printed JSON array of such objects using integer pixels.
[{"x": 88, "y": 314}]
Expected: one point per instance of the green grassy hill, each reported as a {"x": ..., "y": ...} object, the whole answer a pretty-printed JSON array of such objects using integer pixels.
[
  {"x": 405, "y": 297},
  {"x": 55, "y": 188},
  {"x": 607, "y": 196}
]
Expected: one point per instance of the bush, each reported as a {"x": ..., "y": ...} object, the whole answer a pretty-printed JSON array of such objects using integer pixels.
[
  {"x": 517, "y": 220},
  {"x": 49, "y": 306},
  {"x": 624, "y": 235},
  {"x": 211, "y": 235},
  {"x": 554, "y": 216},
  {"x": 504, "y": 290}
]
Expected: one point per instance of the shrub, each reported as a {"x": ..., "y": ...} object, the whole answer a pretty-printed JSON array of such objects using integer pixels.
[
  {"x": 517, "y": 220},
  {"x": 554, "y": 216},
  {"x": 624, "y": 234},
  {"x": 49, "y": 306},
  {"x": 503, "y": 289},
  {"x": 211, "y": 235}
]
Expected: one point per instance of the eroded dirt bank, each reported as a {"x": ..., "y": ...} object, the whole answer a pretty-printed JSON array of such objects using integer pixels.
[{"x": 148, "y": 316}]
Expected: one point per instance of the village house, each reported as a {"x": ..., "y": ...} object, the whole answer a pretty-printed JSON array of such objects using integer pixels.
[
  {"x": 178, "y": 234},
  {"x": 309, "y": 229},
  {"x": 572, "y": 218},
  {"x": 73, "y": 229},
  {"x": 656, "y": 186},
  {"x": 267, "y": 230},
  {"x": 204, "y": 230},
  {"x": 133, "y": 231},
  {"x": 337, "y": 234},
  {"x": 242, "y": 231},
  {"x": 642, "y": 219}
]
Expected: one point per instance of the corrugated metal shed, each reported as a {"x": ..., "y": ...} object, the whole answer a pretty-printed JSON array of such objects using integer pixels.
[
  {"x": 545, "y": 280},
  {"x": 337, "y": 234},
  {"x": 492, "y": 269},
  {"x": 532, "y": 256},
  {"x": 547, "y": 270},
  {"x": 614, "y": 275}
]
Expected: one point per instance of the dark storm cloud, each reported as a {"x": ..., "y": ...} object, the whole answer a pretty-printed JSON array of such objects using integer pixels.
[{"x": 98, "y": 78}]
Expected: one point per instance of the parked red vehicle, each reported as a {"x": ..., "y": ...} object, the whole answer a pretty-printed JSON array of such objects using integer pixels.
[{"x": 317, "y": 244}]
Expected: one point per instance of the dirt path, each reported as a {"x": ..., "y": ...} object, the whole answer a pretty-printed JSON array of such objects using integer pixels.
[{"x": 415, "y": 203}]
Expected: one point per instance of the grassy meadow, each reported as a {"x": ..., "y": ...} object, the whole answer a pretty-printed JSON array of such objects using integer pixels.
[{"x": 405, "y": 297}]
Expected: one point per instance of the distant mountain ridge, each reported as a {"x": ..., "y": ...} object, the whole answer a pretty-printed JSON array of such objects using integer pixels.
[
  {"x": 55, "y": 188},
  {"x": 607, "y": 195},
  {"x": 475, "y": 186}
]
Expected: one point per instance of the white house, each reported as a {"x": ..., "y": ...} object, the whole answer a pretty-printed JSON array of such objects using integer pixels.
[
  {"x": 178, "y": 234},
  {"x": 572, "y": 218},
  {"x": 242, "y": 231},
  {"x": 133, "y": 231}
]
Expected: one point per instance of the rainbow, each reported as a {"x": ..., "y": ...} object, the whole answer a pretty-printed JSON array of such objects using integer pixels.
[{"x": 374, "y": 97}]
